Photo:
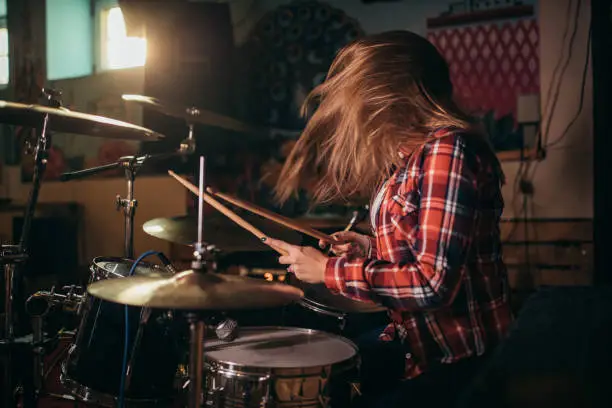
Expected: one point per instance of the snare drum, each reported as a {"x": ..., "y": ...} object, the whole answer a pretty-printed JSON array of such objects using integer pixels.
[
  {"x": 320, "y": 309},
  {"x": 279, "y": 367},
  {"x": 93, "y": 368}
]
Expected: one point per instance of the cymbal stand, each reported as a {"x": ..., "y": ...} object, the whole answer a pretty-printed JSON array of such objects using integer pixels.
[
  {"x": 131, "y": 165},
  {"x": 196, "y": 324},
  {"x": 12, "y": 258}
]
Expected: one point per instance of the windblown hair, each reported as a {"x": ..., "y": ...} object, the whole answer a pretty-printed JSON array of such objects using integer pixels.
[{"x": 384, "y": 93}]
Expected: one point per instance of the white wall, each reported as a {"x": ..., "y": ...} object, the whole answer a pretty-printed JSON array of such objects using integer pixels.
[{"x": 564, "y": 180}]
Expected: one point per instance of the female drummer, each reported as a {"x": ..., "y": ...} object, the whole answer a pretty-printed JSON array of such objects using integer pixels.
[{"x": 386, "y": 125}]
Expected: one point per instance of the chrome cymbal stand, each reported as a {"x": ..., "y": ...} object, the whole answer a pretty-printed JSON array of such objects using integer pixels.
[
  {"x": 12, "y": 257},
  {"x": 196, "y": 324},
  {"x": 131, "y": 165}
]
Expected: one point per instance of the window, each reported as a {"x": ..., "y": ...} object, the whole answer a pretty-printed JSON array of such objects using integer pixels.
[
  {"x": 4, "y": 56},
  {"x": 70, "y": 33},
  {"x": 118, "y": 50},
  {"x": 4, "y": 46}
]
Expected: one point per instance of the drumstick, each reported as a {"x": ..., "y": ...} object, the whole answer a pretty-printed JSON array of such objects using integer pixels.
[
  {"x": 277, "y": 218},
  {"x": 225, "y": 211}
]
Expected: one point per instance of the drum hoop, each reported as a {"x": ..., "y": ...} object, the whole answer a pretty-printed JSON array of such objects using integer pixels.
[
  {"x": 98, "y": 270},
  {"x": 87, "y": 395},
  {"x": 246, "y": 369},
  {"x": 321, "y": 308}
]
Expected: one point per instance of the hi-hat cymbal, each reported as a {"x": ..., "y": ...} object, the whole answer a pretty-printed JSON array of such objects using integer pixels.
[
  {"x": 66, "y": 121},
  {"x": 219, "y": 231},
  {"x": 192, "y": 290},
  {"x": 192, "y": 114}
]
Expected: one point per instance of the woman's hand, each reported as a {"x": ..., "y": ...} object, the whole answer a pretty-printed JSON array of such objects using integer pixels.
[
  {"x": 353, "y": 244},
  {"x": 306, "y": 263}
]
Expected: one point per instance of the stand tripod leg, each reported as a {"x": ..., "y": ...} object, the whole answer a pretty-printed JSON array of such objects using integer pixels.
[
  {"x": 8, "y": 385},
  {"x": 8, "y": 395},
  {"x": 196, "y": 345}
]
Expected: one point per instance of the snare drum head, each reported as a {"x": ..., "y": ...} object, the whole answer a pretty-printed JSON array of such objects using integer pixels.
[
  {"x": 281, "y": 347},
  {"x": 108, "y": 268}
]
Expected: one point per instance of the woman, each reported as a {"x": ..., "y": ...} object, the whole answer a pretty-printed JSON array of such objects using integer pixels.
[{"x": 386, "y": 126}]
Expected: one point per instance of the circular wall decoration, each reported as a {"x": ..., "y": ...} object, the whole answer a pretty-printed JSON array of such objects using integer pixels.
[{"x": 289, "y": 53}]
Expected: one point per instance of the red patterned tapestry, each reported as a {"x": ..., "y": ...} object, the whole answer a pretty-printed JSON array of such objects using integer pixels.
[{"x": 492, "y": 64}]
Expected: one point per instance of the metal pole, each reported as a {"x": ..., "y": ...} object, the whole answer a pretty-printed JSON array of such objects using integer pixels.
[{"x": 196, "y": 357}]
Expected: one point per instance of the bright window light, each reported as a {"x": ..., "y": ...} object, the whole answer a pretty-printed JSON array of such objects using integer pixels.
[
  {"x": 4, "y": 57},
  {"x": 120, "y": 51}
]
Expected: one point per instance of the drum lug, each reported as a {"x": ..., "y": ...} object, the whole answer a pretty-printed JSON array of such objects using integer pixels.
[
  {"x": 214, "y": 398},
  {"x": 341, "y": 322}
]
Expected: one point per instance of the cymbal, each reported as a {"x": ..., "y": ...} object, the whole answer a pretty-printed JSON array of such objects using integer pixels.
[
  {"x": 219, "y": 231},
  {"x": 67, "y": 121},
  {"x": 194, "y": 290},
  {"x": 192, "y": 114},
  {"x": 318, "y": 295}
]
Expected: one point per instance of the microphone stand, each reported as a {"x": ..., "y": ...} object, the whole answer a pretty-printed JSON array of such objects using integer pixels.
[{"x": 131, "y": 166}]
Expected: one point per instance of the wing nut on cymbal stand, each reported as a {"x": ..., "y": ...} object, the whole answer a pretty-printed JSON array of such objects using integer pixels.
[{"x": 131, "y": 165}]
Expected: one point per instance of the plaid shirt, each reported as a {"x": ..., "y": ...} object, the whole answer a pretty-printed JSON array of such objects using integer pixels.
[{"x": 435, "y": 260}]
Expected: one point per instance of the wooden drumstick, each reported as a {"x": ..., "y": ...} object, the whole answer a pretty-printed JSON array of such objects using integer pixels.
[
  {"x": 277, "y": 218},
  {"x": 226, "y": 211}
]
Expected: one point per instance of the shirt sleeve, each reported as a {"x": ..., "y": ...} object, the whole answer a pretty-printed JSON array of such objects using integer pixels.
[{"x": 432, "y": 277}]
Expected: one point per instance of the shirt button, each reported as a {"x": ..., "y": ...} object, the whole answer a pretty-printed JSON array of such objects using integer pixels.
[{"x": 408, "y": 355}]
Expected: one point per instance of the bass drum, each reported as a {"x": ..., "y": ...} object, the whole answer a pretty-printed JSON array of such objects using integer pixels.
[
  {"x": 320, "y": 309},
  {"x": 279, "y": 367},
  {"x": 93, "y": 369}
]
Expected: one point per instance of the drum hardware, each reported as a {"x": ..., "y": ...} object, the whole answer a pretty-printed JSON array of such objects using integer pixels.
[
  {"x": 48, "y": 118},
  {"x": 193, "y": 290},
  {"x": 71, "y": 300},
  {"x": 131, "y": 165},
  {"x": 37, "y": 307},
  {"x": 193, "y": 115},
  {"x": 16, "y": 255}
]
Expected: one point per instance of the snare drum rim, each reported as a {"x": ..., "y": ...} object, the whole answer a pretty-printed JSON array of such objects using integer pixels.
[
  {"x": 99, "y": 272},
  {"x": 249, "y": 370},
  {"x": 324, "y": 309}
]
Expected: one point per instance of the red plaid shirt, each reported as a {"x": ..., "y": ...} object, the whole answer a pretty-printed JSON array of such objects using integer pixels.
[{"x": 436, "y": 259}]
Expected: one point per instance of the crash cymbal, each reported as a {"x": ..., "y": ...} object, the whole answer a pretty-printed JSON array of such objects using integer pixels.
[
  {"x": 192, "y": 114},
  {"x": 194, "y": 290},
  {"x": 219, "y": 231},
  {"x": 66, "y": 121}
]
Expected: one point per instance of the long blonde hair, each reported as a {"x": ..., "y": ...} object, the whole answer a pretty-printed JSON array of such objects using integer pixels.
[{"x": 383, "y": 93}]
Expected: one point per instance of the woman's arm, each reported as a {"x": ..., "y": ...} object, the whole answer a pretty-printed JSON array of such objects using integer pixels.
[{"x": 448, "y": 199}]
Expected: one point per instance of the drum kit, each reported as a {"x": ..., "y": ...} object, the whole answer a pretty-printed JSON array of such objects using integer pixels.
[{"x": 144, "y": 335}]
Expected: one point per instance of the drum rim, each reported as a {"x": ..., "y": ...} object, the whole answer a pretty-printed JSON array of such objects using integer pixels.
[
  {"x": 86, "y": 394},
  {"x": 322, "y": 308},
  {"x": 232, "y": 365},
  {"x": 97, "y": 268}
]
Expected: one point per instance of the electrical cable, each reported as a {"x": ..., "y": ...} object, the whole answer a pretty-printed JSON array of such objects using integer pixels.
[{"x": 120, "y": 403}]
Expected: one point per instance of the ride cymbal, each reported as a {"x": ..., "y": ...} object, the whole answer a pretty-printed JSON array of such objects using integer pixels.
[
  {"x": 193, "y": 290},
  {"x": 67, "y": 121},
  {"x": 193, "y": 114}
]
